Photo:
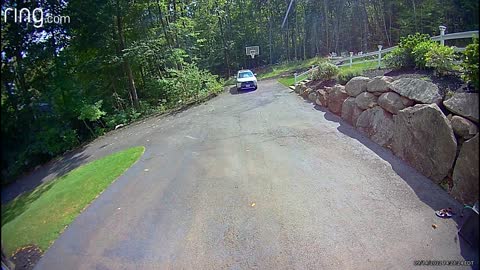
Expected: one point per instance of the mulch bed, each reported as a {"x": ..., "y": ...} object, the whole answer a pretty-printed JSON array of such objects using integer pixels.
[
  {"x": 26, "y": 257},
  {"x": 320, "y": 84}
]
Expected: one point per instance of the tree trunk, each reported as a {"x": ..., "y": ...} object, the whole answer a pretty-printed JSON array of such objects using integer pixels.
[
  {"x": 365, "y": 26},
  {"x": 325, "y": 13},
  {"x": 126, "y": 65},
  {"x": 225, "y": 49},
  {"x": 89, "y": 128},
  {"x": 164, "y": 26}
]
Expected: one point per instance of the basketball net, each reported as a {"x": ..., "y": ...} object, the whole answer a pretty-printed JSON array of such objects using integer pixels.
[{"x": 252, "y": 54}]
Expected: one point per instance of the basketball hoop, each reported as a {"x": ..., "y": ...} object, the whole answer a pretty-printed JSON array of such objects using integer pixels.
[{"x": 252, "y": 51}]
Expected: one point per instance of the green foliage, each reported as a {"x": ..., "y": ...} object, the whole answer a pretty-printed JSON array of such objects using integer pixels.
[
  {"x": 470, "y": 64},
  {"x": 325, "y": 71},
  {"x": 344, "y": 77},
  {"x": 91, "y": 112},
  {"x": 411, "y": 41},
  {"x": 191, "y": 83},
  {"x": 419, "y": 52},
  {"x": 404, "y": 56},
  {"x": 440, "y": 58},
  {"x": 54, "y": 141},
  {"x": 396, "y": 59}
]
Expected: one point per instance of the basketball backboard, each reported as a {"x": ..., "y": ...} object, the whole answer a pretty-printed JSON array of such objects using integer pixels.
[{"x": 252, "y": 51}]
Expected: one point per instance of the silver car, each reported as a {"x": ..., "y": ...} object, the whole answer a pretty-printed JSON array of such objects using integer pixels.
[{"x": 246, "y": 80}]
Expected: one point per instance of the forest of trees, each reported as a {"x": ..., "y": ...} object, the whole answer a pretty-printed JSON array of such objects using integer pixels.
[{"x": 63, "y": 84}]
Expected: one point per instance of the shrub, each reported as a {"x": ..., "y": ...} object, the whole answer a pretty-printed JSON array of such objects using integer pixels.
[
  {"x": 344, "y": 77},
  {"x": 396, "y": 59},
  {"x": 411, "y": 41},
  {"x": 419, "y": 52},
  {"x": 441, "y": 58},
  {"x": 403, "y": 56},
  {"x": 325, "y": 71},
  {"x": 470, "y": 64}
]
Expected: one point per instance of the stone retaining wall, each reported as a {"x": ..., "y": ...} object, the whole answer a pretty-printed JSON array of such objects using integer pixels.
[{"x": 406, "y": 117}]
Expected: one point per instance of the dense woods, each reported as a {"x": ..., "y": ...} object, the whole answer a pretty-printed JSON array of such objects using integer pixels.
[{"x": 114, "y": 61}]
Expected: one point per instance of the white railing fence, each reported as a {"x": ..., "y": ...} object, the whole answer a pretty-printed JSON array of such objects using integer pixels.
[{"x": 376, "y": 56}]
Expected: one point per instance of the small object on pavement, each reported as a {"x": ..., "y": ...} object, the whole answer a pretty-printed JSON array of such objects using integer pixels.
[
  {"x": 146, "y": 170},
  {"x": 444, "y": 213},
  {"x": 434, "y": 226},
  {"x": 253, "y": 204}
]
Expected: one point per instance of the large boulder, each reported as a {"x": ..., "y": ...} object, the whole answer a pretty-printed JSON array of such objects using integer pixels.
[
  {"x": 464, "y": 104},
  {"x": 424, "y": 138},
  {"x": 391, "y": 102},
  {"x": 299, "y": 87},
  {"x": 336, "y": 97},
  {"x": 350, "y": 111},
  {"x": 463, "y": 127},
  {"x": 312, "y": 96},
  {"x": 465, "y": 173},
  {"x": 377, "y": 124},
  {"x": 407, "y": 102},
  {"x": 307, "y": 92},
  {"x": 418, "y": 90},
  {"x": 302, "y": 89},
  {"x": 322, "y": 98},
  {"x": 379, "y": 84},
  {"x": 356, "y": 86},
  {"x": 366, "y": 100}
]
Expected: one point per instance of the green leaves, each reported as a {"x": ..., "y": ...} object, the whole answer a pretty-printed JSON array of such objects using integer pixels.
[
  {"x": 326, "y": 71},
  {"x": 470, "y": 64},
  {"x": 441, "y": 58},
  {"x": 91, "y": 112},
  {"x": 407, "y": 46},
  {"x": 397, "y": 58},
  {"x": 419, "y": 52}
]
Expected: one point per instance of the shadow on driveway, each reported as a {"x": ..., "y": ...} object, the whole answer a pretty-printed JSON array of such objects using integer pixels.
[
  {"x": 44, "y": 173},
  {"x": 422, "y": 190},
  {"x": 234, "y": 91}
]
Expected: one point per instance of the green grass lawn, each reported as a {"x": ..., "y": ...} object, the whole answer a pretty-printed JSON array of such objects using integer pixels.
[
  {"x": 40, "y": 216},
  {"x": 358, "y": 68},
  {"x": 354, "y": 69},
  {"x": 287, "y": 81},
  {"x": 278, "y": 70}
]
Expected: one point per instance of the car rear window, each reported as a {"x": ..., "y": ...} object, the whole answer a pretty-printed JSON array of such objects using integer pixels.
[{"x": 246, "y": 74}]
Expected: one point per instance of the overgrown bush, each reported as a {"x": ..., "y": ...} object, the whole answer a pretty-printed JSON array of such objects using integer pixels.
[
  {"x": 403, "y": 56},
  {"x": 470, "y": 64},
  {"x": 325, "y": 71},
  {"x": 419, "y": 52},
  {"x": 192, "y": 83},
  {"x": 344, "y": 77},
  {"x": 396, "y": 59},
  {"x": 411, "y": 41},
  {"x": 440, "y": 58}
]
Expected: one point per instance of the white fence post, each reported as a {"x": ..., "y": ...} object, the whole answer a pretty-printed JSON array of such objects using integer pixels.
[
  {"x": 351, "y": 60},
  {"x": 442, "y": 33},
  {"x": 311, "y": 73},
  {"x": 379, "y": 55},
  {"x": 295, "y": 75}
]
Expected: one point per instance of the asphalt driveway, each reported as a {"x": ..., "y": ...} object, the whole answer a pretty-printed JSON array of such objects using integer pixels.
[{"x": 256, "y": 180}]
